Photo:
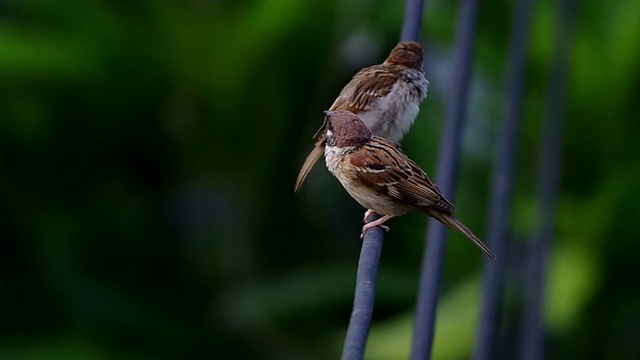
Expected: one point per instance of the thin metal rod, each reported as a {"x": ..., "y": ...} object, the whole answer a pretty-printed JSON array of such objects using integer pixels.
[
  {"x": 365, "y": 293},
  {"x": 412, "y": 20},
  {"x": 447, "y": 171},
  {"x": 364, "y": 297},
  {"x": 503, "y": 184},
  {"x": 548, "y": 173}
]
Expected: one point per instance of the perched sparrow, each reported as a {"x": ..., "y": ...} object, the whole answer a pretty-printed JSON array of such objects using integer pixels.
[
  {"x": 386, "y": 97},
  {"x": 379, "y": 176}
]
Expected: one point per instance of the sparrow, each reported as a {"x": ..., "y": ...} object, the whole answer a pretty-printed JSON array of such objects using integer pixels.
[
  {"x": 380, "y": 177},
  {"x": 386, "y": 97}
]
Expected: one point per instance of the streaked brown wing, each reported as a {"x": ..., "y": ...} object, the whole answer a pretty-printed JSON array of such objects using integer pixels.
[
  {"x": 383, "y": 166},
  {"x": 361, "y": 92},
  {"x": 364, "y": 88}
]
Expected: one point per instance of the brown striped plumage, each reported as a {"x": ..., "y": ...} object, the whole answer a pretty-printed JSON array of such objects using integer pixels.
[
  {"x": 379, "y": 176},
  {"x": 386, "y": 97}
]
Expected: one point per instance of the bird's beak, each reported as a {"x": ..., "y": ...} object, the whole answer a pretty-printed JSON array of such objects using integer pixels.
[{"x": 328, "y": 112}]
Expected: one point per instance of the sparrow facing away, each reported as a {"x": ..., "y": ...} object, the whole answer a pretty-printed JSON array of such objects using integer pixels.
[
  {"x": 386, "y": 97},
  {"x": 379, "y": 176}
]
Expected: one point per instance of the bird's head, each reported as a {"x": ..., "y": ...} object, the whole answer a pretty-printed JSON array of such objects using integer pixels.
[
  {"x": 345, "y": 129},
  {"x": 407, "y": 53}
]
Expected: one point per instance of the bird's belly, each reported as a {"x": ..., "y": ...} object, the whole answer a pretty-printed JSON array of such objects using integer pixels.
[
  {"x": 375, "y": 201},
  {"x": 364, "y": 195},
  {"x": 393, "y": 115}
]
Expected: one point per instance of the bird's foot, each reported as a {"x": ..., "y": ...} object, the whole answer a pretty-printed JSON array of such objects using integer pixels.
[
  {"x": 367, "y": 215},
  {"x": 377, "y": 223}
]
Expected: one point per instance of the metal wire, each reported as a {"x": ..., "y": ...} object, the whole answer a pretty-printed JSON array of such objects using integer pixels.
[
  {"x": 549, "y": 173},
  {"x": 504, "y": 174},
  {"x": 433, "y": 258},
  {"x": 364, "y": 297}
]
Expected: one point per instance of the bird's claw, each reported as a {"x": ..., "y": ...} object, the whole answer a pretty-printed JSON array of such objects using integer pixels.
[
  {"x": 367, "y": 215},
  {"x": 366, "y": 228}
]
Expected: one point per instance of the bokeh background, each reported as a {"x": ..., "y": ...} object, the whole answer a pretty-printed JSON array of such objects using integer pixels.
[{"x": 148, "y": 151}]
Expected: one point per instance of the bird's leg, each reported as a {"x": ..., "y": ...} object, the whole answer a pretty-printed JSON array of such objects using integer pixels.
[
  {"x": 378, "y": 222},
  {"x": 367, "y": 215}
]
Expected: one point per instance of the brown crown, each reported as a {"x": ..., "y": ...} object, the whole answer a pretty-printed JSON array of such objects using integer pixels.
[
  {"x": 407, "y": 53},
  {"x": 347, "y": 128}
]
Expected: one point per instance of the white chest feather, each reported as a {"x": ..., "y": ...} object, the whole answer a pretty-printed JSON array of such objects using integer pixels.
[
  {"x": 333, "y": 157},
  {"x": 391, "y": 116}
]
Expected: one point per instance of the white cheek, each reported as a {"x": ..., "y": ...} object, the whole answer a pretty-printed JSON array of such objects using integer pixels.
[{"x": 329, "y": 135}]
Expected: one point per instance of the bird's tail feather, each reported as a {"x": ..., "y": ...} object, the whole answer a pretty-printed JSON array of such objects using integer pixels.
[
  {"x": 452, "y": 221},
  {"x": 313, "y": 156}
]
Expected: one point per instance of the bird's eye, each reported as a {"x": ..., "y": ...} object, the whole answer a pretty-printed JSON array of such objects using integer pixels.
[{"x": 329, "y": 133}]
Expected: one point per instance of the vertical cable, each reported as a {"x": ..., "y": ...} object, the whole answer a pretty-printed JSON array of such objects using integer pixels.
[
  {"x": 433, "y": 258},
  {"x": 365, "y": 294},
  {"x": 364, "y": 297},
  {"x": 412, "y": 20},
  {"x": 548, "y": 178},
  {"x": 503, "y": 181}
]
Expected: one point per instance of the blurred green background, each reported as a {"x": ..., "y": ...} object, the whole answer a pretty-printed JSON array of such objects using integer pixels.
[{"x": 149, "y": 150}]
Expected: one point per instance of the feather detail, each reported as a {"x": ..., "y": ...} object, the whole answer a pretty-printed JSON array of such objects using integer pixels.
[
  {"x": 368, "y": 85},
  {"x": 453, "y": 222},
  {"x": 383, "y": 166},
  {"x": 385, "y": 96},
  {"x": 381, "y": 178},
  {"x": 311, "y": 159}
]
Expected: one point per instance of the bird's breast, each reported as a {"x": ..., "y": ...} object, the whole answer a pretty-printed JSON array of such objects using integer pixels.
[
  {"x": 338, "y": 164},
  {"x": 392, "y": 115},
  {"x": 333, "y": 157}
]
